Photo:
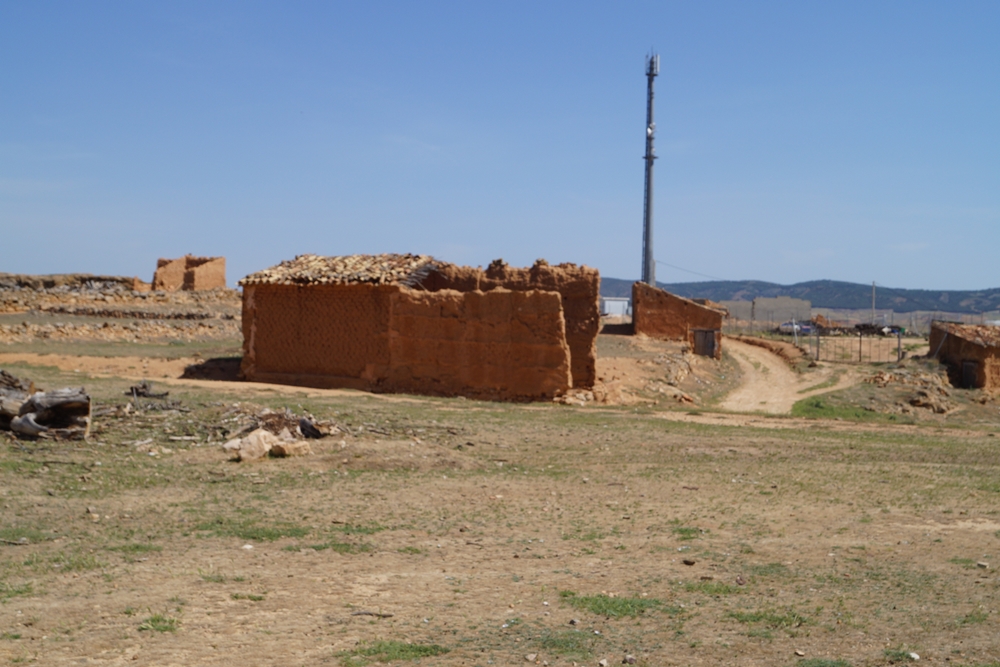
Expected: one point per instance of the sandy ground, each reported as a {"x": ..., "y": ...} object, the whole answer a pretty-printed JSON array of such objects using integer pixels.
[{"x": 769, "y": 385}]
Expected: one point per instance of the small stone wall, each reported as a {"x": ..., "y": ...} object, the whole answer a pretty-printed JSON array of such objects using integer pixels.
[
  {"x": 659, "y": 314},
  {"x": 190, "y": 273}
]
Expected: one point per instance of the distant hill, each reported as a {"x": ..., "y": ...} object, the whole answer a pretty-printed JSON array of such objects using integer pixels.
[{"x": 827, "y": 294}]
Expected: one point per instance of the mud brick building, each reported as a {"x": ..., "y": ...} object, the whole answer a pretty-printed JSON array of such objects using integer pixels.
[
  {"x": 410, "y": 323},
  {"x": 190, "y": 273},
  {"x": 659, "y": 314},
  {"x": 971, "y": 351}
]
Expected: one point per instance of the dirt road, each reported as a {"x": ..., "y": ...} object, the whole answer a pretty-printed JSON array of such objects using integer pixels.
[{"x": 770, "y": 386}]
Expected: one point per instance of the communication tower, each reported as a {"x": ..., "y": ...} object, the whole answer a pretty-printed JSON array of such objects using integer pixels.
[{"x": 648, "y": 262}]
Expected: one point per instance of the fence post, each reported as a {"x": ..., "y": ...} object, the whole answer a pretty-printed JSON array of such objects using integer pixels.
[
  {"x": 861, "y": 349},
  {"x": 899, "y": 346}
]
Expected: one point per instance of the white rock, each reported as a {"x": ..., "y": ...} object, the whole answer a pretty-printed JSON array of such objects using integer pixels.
[{"x": 913, "y": 656}]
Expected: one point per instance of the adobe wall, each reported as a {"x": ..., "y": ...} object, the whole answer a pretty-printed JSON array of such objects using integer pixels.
[
  {"x": 660, "y": 314},
  {"x": 204, "y": 273},
  {"x": 954, "y": 350},
  {"x": 169, "y": 275},
  {"x": 190, "y": 273},
  {"x": 500, "y": 344},
  {"x": 494, "y": 345},
  {"x": 578, "y": 286},
  {"x": 316, "y": 335}
]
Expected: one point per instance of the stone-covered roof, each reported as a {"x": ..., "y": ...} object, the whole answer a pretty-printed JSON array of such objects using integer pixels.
[
  {"x": 385, "y": 269},
  {"x": 981, "y": 334}
]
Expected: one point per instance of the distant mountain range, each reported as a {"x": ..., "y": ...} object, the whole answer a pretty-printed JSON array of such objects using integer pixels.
[{"x": 827, "y": 294}]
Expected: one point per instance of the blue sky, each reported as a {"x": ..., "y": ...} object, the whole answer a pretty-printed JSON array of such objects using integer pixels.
[{"x": 797, "y": 141}]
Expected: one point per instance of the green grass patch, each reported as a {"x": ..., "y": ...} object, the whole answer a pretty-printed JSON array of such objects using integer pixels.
[
  {"x": 251, "y": 530},
  {"x": 390, "y": 651},
  {"x": 63, "y": 562},
  {"x": 159, "y": 623},
  {"x": 685, "y": 532},
  {"x": 967, "y": 563},
  {"x": 213, "y": 578},
  {"x": 823, "y": 662},
  {"x": 897, "y": 655},
  {"x": 613, "y": 607},
  {"x": 973, "y": 618},
  {"x": 769, "y": 618},
  {"x": 19, "y": 533},
  {"x": 570, "y": 644},
  {"x": 136, "y": 548},
  {"x": 413, "y": 551},
  {"x": 247, "y": 596},
  {"x": 768, "y": 570},
  {"x": 10, "y": 636},
  {"x": 333, "y": 545},
  {"x": 8, "y": 591}
]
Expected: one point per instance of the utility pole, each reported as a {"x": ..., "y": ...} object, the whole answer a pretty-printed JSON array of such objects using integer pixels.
[
  {"x": 873, "y": 302},
  {"x": 648, "y": 262}
]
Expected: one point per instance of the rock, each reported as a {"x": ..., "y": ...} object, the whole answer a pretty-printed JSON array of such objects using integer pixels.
[
  {"x": 531, "y": 657},
  {"x": 253, "y": 447},
  {"x": 629, "y": 660},
  {"x": 913, "y": 656},
  {"x": 740, "y": 581},
  {"x": 983, "y": 564},
  {"x": 688, "y": 561},
  {"x": 294, "y": 448},
  {"x": 801, "y": 654},
  {"x": 603, "y": 662},
  {"x": 573, "y": 621}
]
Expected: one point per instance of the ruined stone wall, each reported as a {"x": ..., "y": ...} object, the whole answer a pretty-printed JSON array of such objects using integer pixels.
[
  {"x": 190, "y": 273},
  {"x": 169, "y": 276},
  {"x": 578, "y": 286},
  {"x": 203, "y": 273},
  {"x": 495, "y": 345},
  {"x": 660, "y": 314},
  {"x": 953, "y": 350}
]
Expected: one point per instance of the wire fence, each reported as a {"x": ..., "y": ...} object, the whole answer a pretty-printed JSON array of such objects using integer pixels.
[{"x": 854, "y": 349}]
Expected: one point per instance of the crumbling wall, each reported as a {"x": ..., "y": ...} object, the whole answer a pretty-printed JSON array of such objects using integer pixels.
[
  {"x": 496, "y": 345},
  {"x": 953, "y": 350},
  {"x": 659, "y": 314},
  {"x": 190, "y": 273},
  {"x": 578, "y": 286}
]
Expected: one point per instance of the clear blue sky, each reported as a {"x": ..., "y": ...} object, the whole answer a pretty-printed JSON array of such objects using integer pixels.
[{"x": 853, "y": 141}]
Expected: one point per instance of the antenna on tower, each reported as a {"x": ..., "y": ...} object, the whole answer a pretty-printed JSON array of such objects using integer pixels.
[{"x": 648, "y": 262}]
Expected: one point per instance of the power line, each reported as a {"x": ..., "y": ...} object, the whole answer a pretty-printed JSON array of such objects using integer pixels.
[{"x": 703, "y": 275}]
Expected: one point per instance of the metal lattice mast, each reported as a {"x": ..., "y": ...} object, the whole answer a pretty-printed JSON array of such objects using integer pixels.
[{"x": 648, "y": 262}]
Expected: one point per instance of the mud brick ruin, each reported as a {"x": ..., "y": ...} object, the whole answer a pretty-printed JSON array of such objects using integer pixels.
[
  {"x": 190, "y": 273},
  {"x": 971, "y": 352},
  {"x": 410, "y": 323},
  {"x": 659, "y": 314}
]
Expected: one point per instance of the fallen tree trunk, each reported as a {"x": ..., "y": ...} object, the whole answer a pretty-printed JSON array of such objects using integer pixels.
[{"x": 61, "y": 413}]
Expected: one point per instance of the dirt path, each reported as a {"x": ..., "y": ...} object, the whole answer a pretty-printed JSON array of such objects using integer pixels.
[{"x": 770, "y": 386}]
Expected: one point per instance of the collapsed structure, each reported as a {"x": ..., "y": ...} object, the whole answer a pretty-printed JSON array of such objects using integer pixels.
[
  {"x": 411, "y": 323},
  {"x": 659, "y": 314},
  {"x": 971, "y": 352},
  {"x": 190, "y": 273}
]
